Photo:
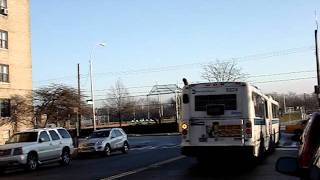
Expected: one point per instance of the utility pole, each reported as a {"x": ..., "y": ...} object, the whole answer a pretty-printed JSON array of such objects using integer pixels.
[
  {"x": 108, "y": 118},
  {"x": 317, "y": 60},
  {"x": 79, "y": 102},
  {"x": 284, "y": 104},
  {"x": 177, "y": 106},
  {"x": 305, "y": 102},
  {"x": 160, "y": 108},
  {"x": 148, "y": 107}
]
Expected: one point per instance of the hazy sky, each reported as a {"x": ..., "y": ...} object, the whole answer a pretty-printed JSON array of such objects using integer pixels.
[{"x": 160, "y": 42}]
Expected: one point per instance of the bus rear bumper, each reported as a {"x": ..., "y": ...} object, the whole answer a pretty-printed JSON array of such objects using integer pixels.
[{"x": 218, "y": 151}]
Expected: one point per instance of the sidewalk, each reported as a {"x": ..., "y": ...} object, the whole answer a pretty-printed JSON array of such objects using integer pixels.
[{"x": 154, "y": 134}]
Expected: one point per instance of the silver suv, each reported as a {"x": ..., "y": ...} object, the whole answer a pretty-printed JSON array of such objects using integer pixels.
[
  {"x": 35, "y": 147},
  {"x": 105, "y": 141}
]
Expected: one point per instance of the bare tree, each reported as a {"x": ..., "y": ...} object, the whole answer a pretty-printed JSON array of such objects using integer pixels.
[
  {"x": 58, "y": 102},
  {"x": 223, "y": 72},
  {"x": 118, "y": 98},
  {"x": 308, "y": 101},
  {"x": 154, "y": 108},
  {"x": 21, "y": 111}
]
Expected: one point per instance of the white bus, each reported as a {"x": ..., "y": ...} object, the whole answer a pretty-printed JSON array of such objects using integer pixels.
[{"x": 228, "y": 119}]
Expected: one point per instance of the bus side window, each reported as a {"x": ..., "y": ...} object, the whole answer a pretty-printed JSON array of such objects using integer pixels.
[
  {"x": 275, "y": 111},
  {"x": 258, "y": 103},
  {"x": 266, "y": 109},
  {"x": 185, "y": 98}
]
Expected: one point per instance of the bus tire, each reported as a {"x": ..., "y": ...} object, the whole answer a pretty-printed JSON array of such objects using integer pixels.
[
  {"x": 261, "y": 150},
  {"x": 272, "y": 144}
]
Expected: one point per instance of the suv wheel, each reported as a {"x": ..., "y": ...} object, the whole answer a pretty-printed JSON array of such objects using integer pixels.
[
  {"x": 107, "y": 150},
  {"x": 32, "y": 162},
  {"x": 125, "y": 147},
  {"x": 65, "y": 157}
]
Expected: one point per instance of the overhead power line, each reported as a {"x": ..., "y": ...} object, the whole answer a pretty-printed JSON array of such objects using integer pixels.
[
  {"x": 260, "y": 56},
  {"x": 281, "y": 80},
  {"x": 258, "y": 82},
  {"x": 277, "y": 74},
  {"x": 255, "y": 57},
  {"x": 254, "y": 76}
]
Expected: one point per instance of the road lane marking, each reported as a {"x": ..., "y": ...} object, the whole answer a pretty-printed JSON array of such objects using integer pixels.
[
  {"x": 155, "y": 165},
  {"x": 156, "y": 147},
  {"x": 287, "y": 149}
]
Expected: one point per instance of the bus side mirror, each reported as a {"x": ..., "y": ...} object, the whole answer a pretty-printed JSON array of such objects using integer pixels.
[{"x": 41, "y": 140}]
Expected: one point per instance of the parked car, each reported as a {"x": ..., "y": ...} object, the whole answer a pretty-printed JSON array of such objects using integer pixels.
[
  {"x": 105, "y": 141},
  {"x": 307, "y": 164},
  {"x": 35, "y": 147},
  {"x": 296, "y": 128}
]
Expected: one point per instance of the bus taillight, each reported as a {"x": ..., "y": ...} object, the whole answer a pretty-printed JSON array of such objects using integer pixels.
[
  {"x": 248, "y": 129},
  {"x": 184, "y": 127},
  {"x": 184, "y": 132}
]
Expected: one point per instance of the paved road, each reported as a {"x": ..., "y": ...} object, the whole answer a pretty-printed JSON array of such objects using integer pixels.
[
  {"x": 145, "y": 151},
  {"x": 151, "y": 157},
  {"x": 189, "y": 169}
]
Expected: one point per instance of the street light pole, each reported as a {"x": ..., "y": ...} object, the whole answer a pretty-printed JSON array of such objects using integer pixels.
[{"x": 92, "y": 85}]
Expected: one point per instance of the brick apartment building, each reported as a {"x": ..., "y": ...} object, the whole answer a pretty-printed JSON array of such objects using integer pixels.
[{"x": 15, "y": 59}]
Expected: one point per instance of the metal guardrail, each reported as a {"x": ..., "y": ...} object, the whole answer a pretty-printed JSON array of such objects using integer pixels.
[{"x": 284, "y": 123}]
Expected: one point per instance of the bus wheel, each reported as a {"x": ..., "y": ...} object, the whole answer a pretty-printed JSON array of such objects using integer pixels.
[
  {"x": 272, "y": 144},
  {"x": 261, "y": 150}
]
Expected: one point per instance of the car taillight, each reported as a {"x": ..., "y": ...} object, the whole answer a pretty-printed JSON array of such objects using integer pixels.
[
  {"x": 17, "y": 151},
  {"x": 248, "y": 129}
]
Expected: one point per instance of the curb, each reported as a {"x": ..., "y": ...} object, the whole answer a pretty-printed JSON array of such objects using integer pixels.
[{"x": 155, "y": 134}]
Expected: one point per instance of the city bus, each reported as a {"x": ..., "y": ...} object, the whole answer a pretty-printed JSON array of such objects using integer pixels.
[{"x": 228, "y": 119}]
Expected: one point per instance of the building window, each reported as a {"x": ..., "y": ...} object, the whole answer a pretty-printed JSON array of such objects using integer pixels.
[
  {"x": 4, "y": 39},
  {"x": 3, "y": 4},
  {"x": 4, "y": 108},
  {"x": 4, "y": 73},
  {"x": 3, "y": 7}
]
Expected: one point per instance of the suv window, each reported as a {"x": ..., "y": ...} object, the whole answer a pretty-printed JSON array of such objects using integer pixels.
[
  {"x": 64, "y": 133},
  {"x": 118, "y": 133},
  {"x": 113, "y": 134},
  {"x": 122, "y": 131},
  {"x": 54, "y": 135},
  {"x": 23, "y": 137},
  {"x": 45, "y": 136},
  {"x": 100, "y": 134}
]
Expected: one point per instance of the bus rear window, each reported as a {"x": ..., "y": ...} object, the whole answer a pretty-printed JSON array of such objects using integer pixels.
[{"x": 228, "y": 100}]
